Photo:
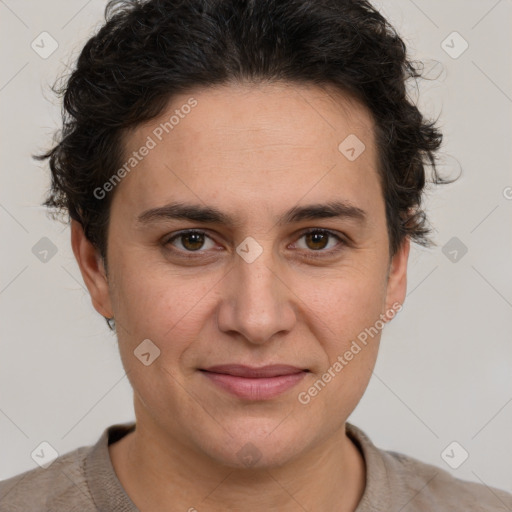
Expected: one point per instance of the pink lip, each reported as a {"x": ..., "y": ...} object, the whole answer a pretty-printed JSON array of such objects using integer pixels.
[{"x": 251, "y": 383}]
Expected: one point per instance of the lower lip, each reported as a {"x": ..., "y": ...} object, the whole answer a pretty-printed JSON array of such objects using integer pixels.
[{"x": 255, "y": 389}]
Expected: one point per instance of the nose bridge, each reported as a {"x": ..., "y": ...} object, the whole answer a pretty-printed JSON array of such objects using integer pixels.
[{"x": 259, "y": 304}]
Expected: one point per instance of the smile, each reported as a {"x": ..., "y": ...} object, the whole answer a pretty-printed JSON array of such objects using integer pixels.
[{"x": 255, "y": 383}]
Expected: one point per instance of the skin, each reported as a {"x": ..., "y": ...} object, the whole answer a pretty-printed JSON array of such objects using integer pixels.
[{"x": 254, "y": 152}]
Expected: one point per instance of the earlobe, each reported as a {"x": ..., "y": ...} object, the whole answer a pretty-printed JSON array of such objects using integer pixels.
[
  {"x": 397, "y": 279},
  {"x": 92, "y": 269}
]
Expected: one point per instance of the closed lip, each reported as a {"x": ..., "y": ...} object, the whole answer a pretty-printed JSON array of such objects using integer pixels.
[{"x": 251, "y": 372}]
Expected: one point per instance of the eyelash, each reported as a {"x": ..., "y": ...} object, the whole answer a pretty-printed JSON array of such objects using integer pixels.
[{"x": 342, "y": 243}]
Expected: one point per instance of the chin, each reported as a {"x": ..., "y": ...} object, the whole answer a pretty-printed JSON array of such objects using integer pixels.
[{"x": 256, "y": 444}]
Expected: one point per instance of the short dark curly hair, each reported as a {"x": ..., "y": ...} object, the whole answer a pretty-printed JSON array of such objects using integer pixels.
[{"x": 148, "y": 51}]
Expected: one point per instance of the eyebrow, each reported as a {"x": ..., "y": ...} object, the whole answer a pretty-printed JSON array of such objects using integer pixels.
[{"x": 211, "y": 215}]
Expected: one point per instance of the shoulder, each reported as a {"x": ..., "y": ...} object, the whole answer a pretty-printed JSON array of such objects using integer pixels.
[
  {"x": 408, "y": 484},
  {"x": 434, "y": 488},
  {"x": 55, "y": 488}
]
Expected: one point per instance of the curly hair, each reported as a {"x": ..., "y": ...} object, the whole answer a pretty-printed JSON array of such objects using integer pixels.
[{"x": 148, "y": 51}]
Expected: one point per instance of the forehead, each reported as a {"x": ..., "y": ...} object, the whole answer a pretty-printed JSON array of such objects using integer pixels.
[{"x": 253, "y": 147}]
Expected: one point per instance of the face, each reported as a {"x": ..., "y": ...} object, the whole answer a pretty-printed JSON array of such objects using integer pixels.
[{"x": 269, "y": 274}]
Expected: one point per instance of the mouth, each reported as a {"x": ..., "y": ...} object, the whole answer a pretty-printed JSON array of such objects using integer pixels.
[{"x": 251, "y": 383}]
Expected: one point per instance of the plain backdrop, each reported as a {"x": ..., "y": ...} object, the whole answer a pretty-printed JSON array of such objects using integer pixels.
[{"x": 444, "y": 371}]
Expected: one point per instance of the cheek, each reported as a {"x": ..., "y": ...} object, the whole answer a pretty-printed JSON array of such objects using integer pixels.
[
  {"x": 166, "y": 307},
  {"x": 345, "y": 303},
  {"x": 346, "y": 322},
  {"x": 169, "y": 311},
  {"x": 351, "y": 337}
]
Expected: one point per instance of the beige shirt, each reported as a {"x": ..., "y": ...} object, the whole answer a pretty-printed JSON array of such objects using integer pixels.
[{"x": 84, "y": 480}]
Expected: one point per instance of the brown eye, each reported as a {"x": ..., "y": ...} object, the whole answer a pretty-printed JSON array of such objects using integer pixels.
[
  {"x": 190, "y": 241},
  {"x": 320, "y": 241},
  {"x": 316, "y": 240}
]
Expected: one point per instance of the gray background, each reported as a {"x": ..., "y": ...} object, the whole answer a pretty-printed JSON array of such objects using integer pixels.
[{"x": 445, "y": 367}]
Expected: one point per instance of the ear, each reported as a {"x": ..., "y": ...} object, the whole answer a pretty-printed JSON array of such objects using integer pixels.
[
  {"x": 397, "y": 277},
  {"x": 92, "y": 268}
]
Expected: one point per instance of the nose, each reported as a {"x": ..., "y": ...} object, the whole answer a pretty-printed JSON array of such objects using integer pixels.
[{"x": 257, "y": 303}]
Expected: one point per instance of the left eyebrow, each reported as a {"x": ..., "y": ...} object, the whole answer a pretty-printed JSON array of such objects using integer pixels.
[
  {"x": 335, "y": 209},
  {"x": 211, "y": 215}
]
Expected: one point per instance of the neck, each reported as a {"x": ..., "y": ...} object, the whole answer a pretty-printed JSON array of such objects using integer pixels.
[{"x": 328, "y": 477}]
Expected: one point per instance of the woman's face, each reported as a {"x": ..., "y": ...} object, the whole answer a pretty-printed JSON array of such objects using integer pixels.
[{"x": 251, "y": 286}]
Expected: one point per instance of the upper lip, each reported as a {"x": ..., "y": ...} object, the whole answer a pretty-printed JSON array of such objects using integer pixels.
[{"x": 240, "y": 370}]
